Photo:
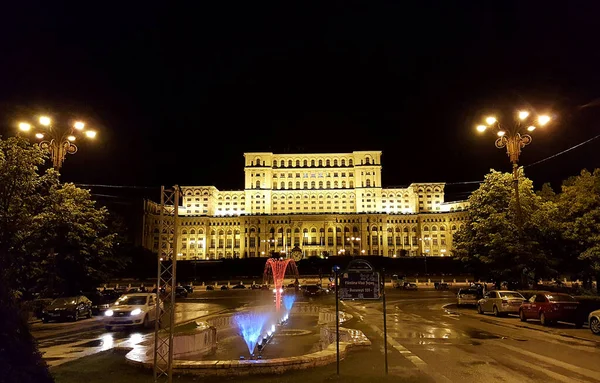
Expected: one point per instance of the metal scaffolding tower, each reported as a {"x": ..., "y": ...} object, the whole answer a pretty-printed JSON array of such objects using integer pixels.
[{"x": 166, "y": 283}]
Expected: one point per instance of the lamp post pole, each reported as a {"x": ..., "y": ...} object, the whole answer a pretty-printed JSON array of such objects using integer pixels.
[{"x": 514, "y": 138}]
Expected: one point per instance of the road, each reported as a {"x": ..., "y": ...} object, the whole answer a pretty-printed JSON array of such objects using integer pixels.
[
  {"x": 427, "y": 336},
  {"x": 66, "y": 341},
  {"x": 458, "y": 345}
]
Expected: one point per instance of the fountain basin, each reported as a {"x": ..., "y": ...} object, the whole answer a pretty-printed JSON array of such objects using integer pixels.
[{"x": 197, "y": 362}]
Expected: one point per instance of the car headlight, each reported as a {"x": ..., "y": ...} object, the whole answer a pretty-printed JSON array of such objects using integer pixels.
[
  {"x": 108, "y": 313},
  {"x": 136, "y": 312}
]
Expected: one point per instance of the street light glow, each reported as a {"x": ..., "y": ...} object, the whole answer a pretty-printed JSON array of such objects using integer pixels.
[
  {"x": 39, "y": 135},
  {"x": 531, "y": 128},
  {"x": 44, "y": 120},
  {"x": 481, "y": 128},
  {"x": 501, "y": 133},
  {"x": 24, "y": 126},
  {"x": 523, "y": 114},
  {"x": 490, "y": 120},
  {"x": 71, "y": 138},
  {"x": 79, "y": 125},
  {"x": 543, "y": 120},
  {"x": 90, "y": 134}
]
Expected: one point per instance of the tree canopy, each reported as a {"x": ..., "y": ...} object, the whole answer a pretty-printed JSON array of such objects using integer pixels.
[
  {"x": 557, "y": 231},
  {"x": 53, "y": 236}
]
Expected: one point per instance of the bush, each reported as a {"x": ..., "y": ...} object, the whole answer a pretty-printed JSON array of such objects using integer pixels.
[{"x": 20, "y": 360}]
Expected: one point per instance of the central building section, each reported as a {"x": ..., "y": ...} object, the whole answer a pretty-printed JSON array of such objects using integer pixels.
[{"x": 312, "y": 183}]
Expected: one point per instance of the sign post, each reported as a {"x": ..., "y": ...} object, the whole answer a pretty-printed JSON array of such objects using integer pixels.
[
  {"x": 384, "y": 320},
  {"x": 336, "y": 270},
  {"x": 361, "y": 281}
]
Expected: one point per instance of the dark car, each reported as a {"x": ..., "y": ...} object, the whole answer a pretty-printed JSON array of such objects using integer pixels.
[
  {"x": 181, "y": 292},
  {"x": 313, "y": 291},
  {"x": 68, "y": 308},
  {"x": 210, "y": 287},
  {"x": 550, "y": 308},
  {"x": 101, "y": 301},
  {"x": 441, "y": 286},
  {"x": 189, "y": 288},
  {"x": 239, "y": 286},
  {"x": 224, "y": 287}
]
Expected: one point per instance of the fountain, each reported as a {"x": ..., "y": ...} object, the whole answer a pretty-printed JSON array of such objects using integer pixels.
[
  {"x": 276, "y": 269},
  {"x": 288, "y": 302},
  {"x": 218, "y": 344},
  {"x": 250, "y": 326}
]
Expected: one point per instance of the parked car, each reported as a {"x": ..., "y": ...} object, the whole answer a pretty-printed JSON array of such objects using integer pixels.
[
  {"x": 239, "y": 286},
  {"x": 313, "y": 291},
  {"x": 189, "y": 288},
  {"x": 101, "y": 301},
  {"x": 441, "y": 286},
  {"x": 210, "y": 287},
  {"x": 500, "y": 302},
  {"x": 551, "y": 307},
  {"x": 594, "y": 321},
  {"x": 224, "y": 287},
  {"x": 181, "y": 292},
  {"x": 467, "y": 297},
  {"x": 410, "y": 286},
  {"x": 72, "y": 308},
  {"x": 132, "y": 310}
]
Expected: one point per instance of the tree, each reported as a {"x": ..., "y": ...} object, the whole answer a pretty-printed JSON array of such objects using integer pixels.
[
  {"x": 53, "y": 237},
  {"x": 493, "y": 244},
  {"x": 20, "y": 198},
  {"x": 71, "y": 238},
  {"x": 579, "y": 204}
]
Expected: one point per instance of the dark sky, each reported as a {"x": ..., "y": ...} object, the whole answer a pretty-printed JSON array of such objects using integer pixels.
[{"x": 180, "y": 90}]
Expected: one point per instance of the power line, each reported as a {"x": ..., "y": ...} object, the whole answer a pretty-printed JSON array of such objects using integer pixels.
[
  {"x": 563, "y": 152},
  {"x": 117, "y": 186},
  {"x": 463, "y": 182}
]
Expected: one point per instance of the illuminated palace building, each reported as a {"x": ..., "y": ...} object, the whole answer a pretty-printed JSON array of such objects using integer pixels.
[{"x": 316, "y": 204}]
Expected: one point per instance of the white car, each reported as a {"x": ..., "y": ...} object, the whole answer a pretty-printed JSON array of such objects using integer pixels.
[
  {"x": 500, "y": 302},
  {"x": 132, "y": 310},
  {"x": 467, "y": 297},
  {"x": 594, "y": 321}
]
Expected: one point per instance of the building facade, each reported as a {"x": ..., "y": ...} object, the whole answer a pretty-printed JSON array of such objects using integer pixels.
[{"x": 318, "y": 204}]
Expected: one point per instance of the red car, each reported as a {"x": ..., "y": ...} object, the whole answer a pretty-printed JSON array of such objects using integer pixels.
[{"x": 551, "y": 307}]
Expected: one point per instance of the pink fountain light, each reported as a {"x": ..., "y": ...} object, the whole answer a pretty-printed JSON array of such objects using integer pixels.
[{"x": 276, "y": 268}]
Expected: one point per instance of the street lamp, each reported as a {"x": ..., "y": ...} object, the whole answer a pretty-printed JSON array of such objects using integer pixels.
[
  {"x": 268, "y": 243},
  {"x": 58, "y": 139},
  {"x": 515, "y": 137},
  {"x": 353, "y": 241}
]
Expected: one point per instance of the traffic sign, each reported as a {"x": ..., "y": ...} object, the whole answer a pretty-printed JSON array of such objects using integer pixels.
[{"x": 364, "y": 284}]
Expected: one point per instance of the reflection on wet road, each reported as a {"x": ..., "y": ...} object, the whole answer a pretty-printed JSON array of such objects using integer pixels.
[
  {"x": 62, "y": 342},
  {"x": 462, "y": 346}
]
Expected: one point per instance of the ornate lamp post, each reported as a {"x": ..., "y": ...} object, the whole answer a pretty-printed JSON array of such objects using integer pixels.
[
  {"x": 57, "y": 139},
  {"x": 353, "y": 241},
  {"x": 515, "y": 137}
]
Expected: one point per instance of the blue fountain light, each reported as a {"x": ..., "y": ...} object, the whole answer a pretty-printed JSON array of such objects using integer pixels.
[
  {"x": 250, "y": 326},
  {"x": 288, "y": 301}
]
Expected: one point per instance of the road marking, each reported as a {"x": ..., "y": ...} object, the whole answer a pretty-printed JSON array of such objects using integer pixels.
[
  {"x": 552, "y": 374},
  {"x": 595, "y": 375},
  {"x": 406, "y": 353}
]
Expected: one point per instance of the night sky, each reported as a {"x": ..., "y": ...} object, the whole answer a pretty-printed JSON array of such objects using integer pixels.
[{"x": 179, "y": 91}]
